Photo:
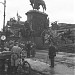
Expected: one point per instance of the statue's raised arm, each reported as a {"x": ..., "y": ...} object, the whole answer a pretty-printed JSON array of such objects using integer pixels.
[{"x": 36, "y": 4}]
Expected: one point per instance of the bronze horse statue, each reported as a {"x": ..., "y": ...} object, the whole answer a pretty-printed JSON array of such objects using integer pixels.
[{"x": 36, "y": 4}]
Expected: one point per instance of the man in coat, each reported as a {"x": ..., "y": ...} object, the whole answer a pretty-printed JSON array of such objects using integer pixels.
[
  {"x": 33, "y": 50},
  {"x": 52, "y": 54},
  {"x": 28, "y": 48},
  {"x": 15, "y": 56}
]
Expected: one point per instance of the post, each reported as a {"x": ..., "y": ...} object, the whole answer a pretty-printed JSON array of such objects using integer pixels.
[
  {"x": 4, "y": 16},
  {"x": 3, "y": 36}
]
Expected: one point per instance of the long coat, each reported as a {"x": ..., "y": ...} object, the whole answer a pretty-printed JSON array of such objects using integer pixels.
[
  {"x": 52, "y": 52},
  {"x": 15, "y": 55}
]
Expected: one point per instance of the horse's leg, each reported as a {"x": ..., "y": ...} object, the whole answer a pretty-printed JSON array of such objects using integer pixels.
[{"x": 43, "y": 8}]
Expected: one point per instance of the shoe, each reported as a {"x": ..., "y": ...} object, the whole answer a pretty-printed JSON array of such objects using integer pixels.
[{"x": 51, "y": 66}]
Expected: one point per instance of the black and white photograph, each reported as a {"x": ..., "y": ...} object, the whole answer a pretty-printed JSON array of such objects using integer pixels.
[{"x": 37, "y": 37}]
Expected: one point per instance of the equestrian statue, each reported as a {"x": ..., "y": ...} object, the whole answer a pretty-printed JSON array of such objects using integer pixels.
[{"x": 36, "y": 4}]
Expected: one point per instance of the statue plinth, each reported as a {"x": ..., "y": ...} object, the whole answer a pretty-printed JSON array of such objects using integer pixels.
[
  {"x": 36, "y": 11},
  {"x": 37, "y": 20}
]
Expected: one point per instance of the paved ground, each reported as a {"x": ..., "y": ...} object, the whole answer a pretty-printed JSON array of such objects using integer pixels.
[{"x": 64, "y": 63}]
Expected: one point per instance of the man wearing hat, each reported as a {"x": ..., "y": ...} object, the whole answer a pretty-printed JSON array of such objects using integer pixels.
[
  {"x": 52, "y": 53},
  {"x": 28, "y": 48},
  {"x": 15, "y": 56}
]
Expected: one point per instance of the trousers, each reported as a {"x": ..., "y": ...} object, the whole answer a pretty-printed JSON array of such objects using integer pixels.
[{"x": 52, "y": 62}]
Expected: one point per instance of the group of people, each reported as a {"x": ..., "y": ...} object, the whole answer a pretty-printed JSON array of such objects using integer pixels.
[
  {"x": 16, "y": 53},
  {"x": 17, "y": 49},
  {"x": 30, "y": 48}
]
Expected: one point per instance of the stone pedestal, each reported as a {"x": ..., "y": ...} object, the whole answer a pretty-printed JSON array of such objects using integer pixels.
[{"x": 38, "y": 21}]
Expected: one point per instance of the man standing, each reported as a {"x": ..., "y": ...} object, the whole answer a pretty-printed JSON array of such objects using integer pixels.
[
  {"x": 15, "y": 56},
  {"x": 52, "y": 54},
  {"x": 33, "y": 50},
  {"x": 28, "y": 48}
]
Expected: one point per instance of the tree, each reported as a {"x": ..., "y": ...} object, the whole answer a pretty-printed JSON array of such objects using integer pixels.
[{"x": 49, "y": 36}]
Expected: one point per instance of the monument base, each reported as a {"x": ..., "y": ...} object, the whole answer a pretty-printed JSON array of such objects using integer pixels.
[{"x": 38, "y": 22}]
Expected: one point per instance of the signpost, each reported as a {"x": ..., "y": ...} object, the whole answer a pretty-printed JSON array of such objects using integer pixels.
[
  {"x": 3, "y": 37},
  {"x": 4, "y": 14}
]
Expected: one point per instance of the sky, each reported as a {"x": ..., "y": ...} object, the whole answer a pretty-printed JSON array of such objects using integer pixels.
[{"x": 57, "y": 10}]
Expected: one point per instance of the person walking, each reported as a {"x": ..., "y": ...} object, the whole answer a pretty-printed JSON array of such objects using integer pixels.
[{"x": 52, "y": 54}]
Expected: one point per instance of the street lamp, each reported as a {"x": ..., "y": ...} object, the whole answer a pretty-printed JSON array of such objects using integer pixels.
[
  {"x": 3, "y": 37},
  {"x": 4, "y": 13}
]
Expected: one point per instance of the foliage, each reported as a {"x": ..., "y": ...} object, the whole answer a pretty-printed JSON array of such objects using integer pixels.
[
  {"x": 50, "y": 36},
  {"x": 70, "y": 48},
  {"x": 67, "y": 35},
  {"x": 8, "y": 33}
]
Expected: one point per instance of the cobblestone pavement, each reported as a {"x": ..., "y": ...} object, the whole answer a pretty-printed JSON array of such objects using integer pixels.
[
  {"x": 32, "y": 73},
  {"x": 64, "y": 63}
]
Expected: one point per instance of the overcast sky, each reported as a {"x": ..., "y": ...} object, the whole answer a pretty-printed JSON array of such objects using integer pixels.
[{"x": 57, "y": 10}]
